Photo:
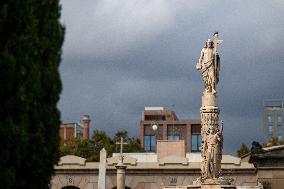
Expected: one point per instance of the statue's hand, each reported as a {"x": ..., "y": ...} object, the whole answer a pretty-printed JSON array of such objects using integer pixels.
[{"x": 198, "y": 66}]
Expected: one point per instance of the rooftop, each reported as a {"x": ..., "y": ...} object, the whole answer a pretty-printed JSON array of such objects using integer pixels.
[
  {"x": 273, "y": 104},
  {"x": 140, "y": 161}
]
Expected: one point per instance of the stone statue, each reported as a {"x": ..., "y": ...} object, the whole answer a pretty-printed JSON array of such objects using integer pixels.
[
  {"x": 209, "y": 64},
  {"x": 212, "y": 136},
  {"x": 211, "y": 153}
]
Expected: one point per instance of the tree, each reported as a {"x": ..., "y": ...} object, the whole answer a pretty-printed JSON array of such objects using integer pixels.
[
  {"x": 119, "y": 134},
  {"x": 133, "y": 144},
  {"x": 31, "y": 38},
  {"x": 243, "y": 150},
  {"x": 90, "y": 149},
  {"x": 78, "y": 147},
  {"x": 101, "y": 140}
]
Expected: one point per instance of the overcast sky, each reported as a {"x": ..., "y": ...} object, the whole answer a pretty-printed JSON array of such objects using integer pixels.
[{"x": 122, "y": 55}]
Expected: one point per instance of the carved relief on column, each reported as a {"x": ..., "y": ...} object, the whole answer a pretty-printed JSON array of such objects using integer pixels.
[{"x": 212, "y": 139}]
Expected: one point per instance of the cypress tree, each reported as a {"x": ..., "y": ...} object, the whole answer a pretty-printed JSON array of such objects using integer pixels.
[{"x": 31, "y": 38}]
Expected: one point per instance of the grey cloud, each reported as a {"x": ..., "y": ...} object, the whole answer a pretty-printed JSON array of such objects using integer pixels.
[{"x": 120, "y": 56}]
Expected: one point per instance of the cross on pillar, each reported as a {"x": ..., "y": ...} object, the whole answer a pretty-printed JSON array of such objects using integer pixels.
[
  {"x": 216, "y": 42},
  {"x": 121, "y": 143},
  {"x": 120, "y": 175}
]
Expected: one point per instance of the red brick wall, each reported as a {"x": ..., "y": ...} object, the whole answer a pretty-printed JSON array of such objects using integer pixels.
[
  {"x": 61, "y": 133},
  {"x": 69, "y": 132}
]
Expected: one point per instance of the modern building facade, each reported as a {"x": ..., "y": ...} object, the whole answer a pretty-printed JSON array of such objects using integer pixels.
[
  {"x": 169, "y": 127},
  {"x": 75, "y": 130},
  {"x": 273, "y": 119}
]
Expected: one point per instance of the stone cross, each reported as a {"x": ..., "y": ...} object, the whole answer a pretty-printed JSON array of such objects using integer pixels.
[
  {"x": 121, "y": 143},
  {"x": 120, "y": 175},
  {"x": 102, "y": 170},
  {"x": 216, "y": 42}
]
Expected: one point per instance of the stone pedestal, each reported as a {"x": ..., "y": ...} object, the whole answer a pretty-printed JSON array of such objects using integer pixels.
[
  {"x": 120, "y": 177},
  {"x": 102, "y": 170},
  {"x": 212, "y": 137},
  {"x": 211, "y": 186}
]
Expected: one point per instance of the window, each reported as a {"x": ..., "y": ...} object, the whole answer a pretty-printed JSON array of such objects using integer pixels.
[
  {"x": 269, "y": 118},
  {"x": 279, "y": 128},
  {"x": 195, "y": 142},
  {"x": 270, "y": 137},
  {"x": 279, "y": 118},
  {"x": 150, "y": 143},
  {"x": 270, "y": 129},
  {"x": 176, "y": 132},
  {"x": 196, "y": 128},
  {"x": 279, "y": 138},
  {"x": 155, "y": 117},
  {"x": 173, "y": 137}
]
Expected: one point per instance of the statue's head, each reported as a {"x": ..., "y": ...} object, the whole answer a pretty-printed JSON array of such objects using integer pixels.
[{"x": 209, "y": 43}]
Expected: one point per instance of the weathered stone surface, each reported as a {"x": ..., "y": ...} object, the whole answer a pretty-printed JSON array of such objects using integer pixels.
[
  {"x": 127, "y": 160},
  {"x": 173, "y": 160},
  {"x": 170, "y": 148},
  {"x": 209, "y": 64},
  {"x": 212, "y": 137},
  {"x": 120, "y": 176},
  {"x": 102, "y": 170},
  {"x": 72, "y": 160},
  {"x": 211, "y": 186}
]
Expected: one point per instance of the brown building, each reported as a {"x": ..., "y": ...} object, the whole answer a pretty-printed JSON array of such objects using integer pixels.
[
  {"x": 169, "y": 127},
  {"x": 273, "y": 122},
  {"x": 73, "y": 130}
]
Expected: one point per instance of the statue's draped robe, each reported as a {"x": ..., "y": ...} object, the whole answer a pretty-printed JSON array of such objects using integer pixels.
[{"x": 209, "y": 68}]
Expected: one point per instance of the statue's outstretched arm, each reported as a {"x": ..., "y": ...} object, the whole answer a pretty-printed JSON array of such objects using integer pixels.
[
  {"x": 199, "y": 65},
  {"x": 201, "y": 56}
]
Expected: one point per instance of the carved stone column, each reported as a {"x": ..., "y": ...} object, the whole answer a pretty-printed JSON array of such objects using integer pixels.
[
  {"x": 210, "y": 121},
  {"x": 120, "y": 176}
]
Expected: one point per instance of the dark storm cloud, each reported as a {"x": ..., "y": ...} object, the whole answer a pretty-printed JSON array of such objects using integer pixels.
[{"x": 120, "y": 56}]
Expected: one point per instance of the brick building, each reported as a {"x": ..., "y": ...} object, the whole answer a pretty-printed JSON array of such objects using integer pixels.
[
  {"x": 73, "y": 130},
  {"x": 169, "y": 128}
]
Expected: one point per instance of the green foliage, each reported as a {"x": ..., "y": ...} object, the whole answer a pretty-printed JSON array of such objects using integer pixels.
[
  {"x": 119, "y": 134},
  {"x": 90, "y": 149},
  {"x": 31, "y": 38},
  {"x": 273, "y": 142},
  {"x": 133, "y": 144},
  {"x": 243, "y": 150},
  {"x": 82, "y": 148},
  {"x": 100, "y": 140}
]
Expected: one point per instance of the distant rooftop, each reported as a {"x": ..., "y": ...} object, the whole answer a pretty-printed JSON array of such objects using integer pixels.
[
  {"x": 191, "y": 157},
  {"x": 154, "y": 108},
  {"x": 273, "y": 103},
  {"x": 71, "y": 125}
]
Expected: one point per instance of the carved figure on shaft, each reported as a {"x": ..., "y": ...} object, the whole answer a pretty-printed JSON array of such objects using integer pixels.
[{"x": 212, "y": 153}]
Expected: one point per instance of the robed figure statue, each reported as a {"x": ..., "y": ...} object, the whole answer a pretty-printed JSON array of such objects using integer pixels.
[
  {"x": 209, "y": 64},
  {"x": 212, "y": 152}
]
